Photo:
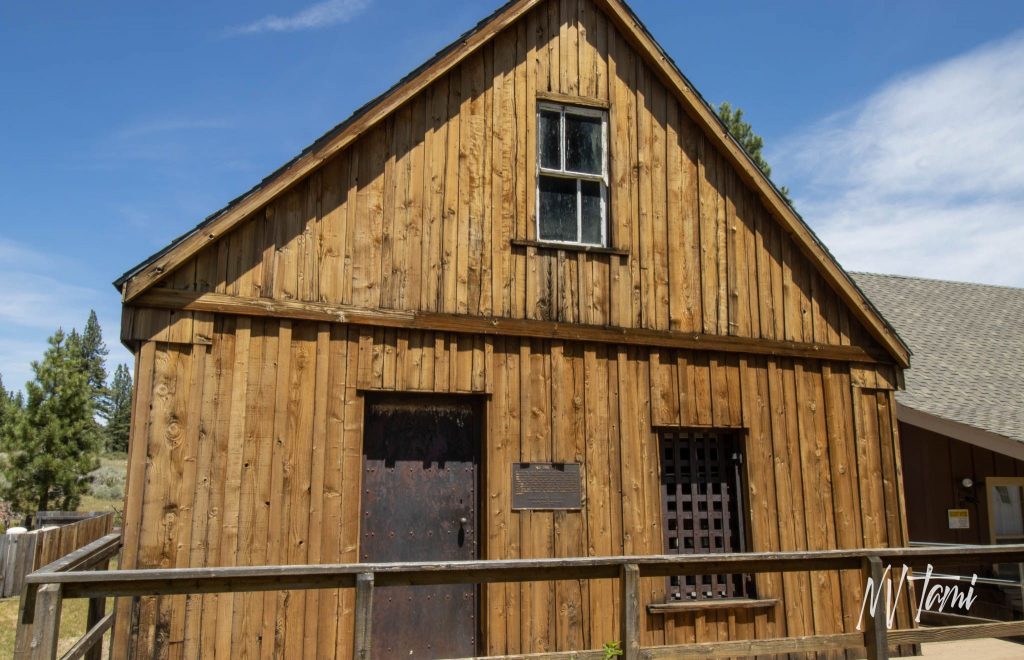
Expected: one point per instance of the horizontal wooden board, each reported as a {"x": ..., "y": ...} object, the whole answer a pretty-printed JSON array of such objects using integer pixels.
[{"x": 477, "y": 325}]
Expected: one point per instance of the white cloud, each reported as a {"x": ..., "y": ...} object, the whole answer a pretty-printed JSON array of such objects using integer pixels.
[
  {"x": 320, "y": 15},
  {"x": 16, "y": 255},
  {"x": 40, "y": 296},
  {"x": 40, "y": 301},
  {"x": 926, "y": 176}
]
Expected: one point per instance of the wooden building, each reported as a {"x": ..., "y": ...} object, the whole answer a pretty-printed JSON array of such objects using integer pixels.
[
  {"x": 531, "y": 302},
  {"x": 961, "y": 414}
]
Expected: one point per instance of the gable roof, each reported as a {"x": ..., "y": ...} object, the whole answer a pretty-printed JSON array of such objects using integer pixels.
[
  {"x": 968, "y": 343},
  {"x": 137, "y": 280}
]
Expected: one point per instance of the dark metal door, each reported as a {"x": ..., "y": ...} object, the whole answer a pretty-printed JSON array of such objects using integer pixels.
[{"x": 420, "y": 504}]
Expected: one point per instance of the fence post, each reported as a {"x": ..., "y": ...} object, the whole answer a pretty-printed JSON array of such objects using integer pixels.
[
  {"x": 364, "y": 616},
  {"x": 875, "y": 631},
  {"x": 97, "y": 609},
  {"x": 98, "y": 606},
  {"x": 37, "y": 635},
  {"x": 629, "y": 629}
]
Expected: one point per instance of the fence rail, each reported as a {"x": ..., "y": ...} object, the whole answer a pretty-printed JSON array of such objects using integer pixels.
[
  {"x": 40, "y": 607},
  {"x": 47, "y": 587}
]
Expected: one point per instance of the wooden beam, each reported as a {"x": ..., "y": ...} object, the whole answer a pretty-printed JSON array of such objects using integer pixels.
[
  {"x": 703, "y": 115},
  {"x": 85, "y": 557},
  {"x": 550, "y": 655},
  {"x": 328, "y": 146},
  {"x": 565, "y": 247},
  {"x": 458, "y": 323},
  {"x": 756, "y": 647},
  {"x": 363, "y": 635},
  {"x": 629, "y": 626},
  {"x": 570, "y": 99},
  {"x": 143, "y": 582},
  {"x": 998, "y": 629},
  {"x": 38, "y": 640},
  {"x": 677, "y": 606},
  {"x": 96, "y": 623},
  {"x": 90, "y": 645},
  {"x": 875, "y": 623}
]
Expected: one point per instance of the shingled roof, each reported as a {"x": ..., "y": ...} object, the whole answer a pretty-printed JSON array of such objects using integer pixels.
[{"x": 968, "y": 346}]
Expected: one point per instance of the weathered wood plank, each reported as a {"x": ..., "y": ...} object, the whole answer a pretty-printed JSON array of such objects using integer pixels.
[
  {"x": 211, "y": 302},
  {"x": 629, "y": 628}
]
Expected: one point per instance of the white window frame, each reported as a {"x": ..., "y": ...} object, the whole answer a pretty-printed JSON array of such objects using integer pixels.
[{"x": 563, "y": 173}]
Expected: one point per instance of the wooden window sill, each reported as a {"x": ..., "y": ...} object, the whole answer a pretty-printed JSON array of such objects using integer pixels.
[
  {"x": 712, "y": 604},
  {"x": 569, "y": 247}
]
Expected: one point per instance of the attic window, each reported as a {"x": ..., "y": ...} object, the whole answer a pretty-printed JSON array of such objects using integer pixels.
[{"x": 572, "y": 175}]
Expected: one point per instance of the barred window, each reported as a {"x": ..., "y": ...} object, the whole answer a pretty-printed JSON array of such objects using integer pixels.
[{"x": 702, "y": 505}]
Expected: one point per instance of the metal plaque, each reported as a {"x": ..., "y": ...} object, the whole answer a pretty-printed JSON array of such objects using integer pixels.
[{"x": 546, "y": 486}]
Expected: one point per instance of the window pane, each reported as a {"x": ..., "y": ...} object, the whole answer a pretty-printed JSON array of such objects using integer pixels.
[
  {"x": 583, "y": 144},
  {"x": 1006, "y": 513},
  {"x": 557, "y": 209},
  {"x": 591, "y": 199},
  {"x": 550, "y": 140}
]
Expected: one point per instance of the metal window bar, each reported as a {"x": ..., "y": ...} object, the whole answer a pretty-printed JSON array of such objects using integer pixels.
[{"x": 702, "y": 507}]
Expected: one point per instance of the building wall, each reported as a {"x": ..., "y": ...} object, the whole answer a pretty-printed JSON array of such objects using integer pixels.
[
  {"x": 934, "y": 466},
  {"x": 246, "y": 450}
]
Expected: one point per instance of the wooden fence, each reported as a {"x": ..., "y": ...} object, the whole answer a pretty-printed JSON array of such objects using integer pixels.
[
  {"x": 47, "y": 587},
  {"x": 20, "y": 554},
  {"x": 45, "y": 518}
]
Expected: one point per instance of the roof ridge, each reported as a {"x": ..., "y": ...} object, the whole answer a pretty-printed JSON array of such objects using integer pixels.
[{"x": 937, "y": 280}]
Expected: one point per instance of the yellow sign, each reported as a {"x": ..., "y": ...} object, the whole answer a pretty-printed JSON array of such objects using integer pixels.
[{"x": 958, "y": 518}]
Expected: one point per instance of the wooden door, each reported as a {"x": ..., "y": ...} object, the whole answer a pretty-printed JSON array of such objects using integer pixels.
[{"x": 419, "y": 503}]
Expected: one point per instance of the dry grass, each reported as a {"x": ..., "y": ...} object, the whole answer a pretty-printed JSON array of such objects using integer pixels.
[{"x": 72, "y": 624}]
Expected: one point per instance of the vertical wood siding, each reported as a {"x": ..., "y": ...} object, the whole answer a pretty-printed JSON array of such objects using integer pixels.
[
  {"x": 418, "y": 214},
  {"x": 248, "y": 451}
]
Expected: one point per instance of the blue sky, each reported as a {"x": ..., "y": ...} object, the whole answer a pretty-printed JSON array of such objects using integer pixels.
[{"x": 898, "y": 126}]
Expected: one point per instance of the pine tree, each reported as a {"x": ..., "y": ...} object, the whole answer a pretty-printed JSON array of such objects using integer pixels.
[
  {"x": 10, "y": 405},
  {"x": 5, "y": 401},
  {"x": 119, "y": 412},
  {"x": 751, "y": 142},
  {"x": 94, "y": 353},
  {"x": 51, "y": 446}
]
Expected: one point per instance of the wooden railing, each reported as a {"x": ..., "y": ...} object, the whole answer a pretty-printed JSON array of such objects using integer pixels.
[
  {"x": 40, "y": 607},
  {"x": 47, "y": 588}
]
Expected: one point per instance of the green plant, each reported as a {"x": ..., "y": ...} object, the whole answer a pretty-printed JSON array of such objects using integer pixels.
[
  {"x": 107, "y": 483},
  {"x": 612, "y": 650}
]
